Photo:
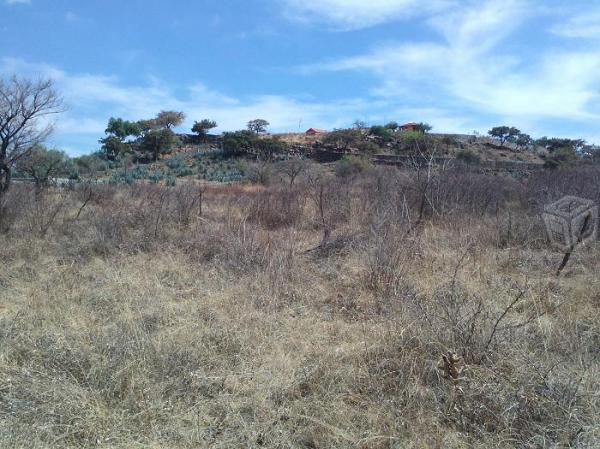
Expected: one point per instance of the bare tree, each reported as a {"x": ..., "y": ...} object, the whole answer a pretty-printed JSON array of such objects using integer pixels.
[
  {"x": 292, "y": 168},
  {"x": 23, "y": 106}
]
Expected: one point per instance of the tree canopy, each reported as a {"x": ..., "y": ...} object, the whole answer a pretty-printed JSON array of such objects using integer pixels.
[
  {"x": 504, "y": 133},
  {"x": 118, "y": 130},
  {"x": 122, "y": 128},
  {"x": 169, "y": 119},
  {"x": 424, "y": 127},
  {"x": 203, "y": 126},
  {"x": 258, "y": 125},
  {"x": 523, "y": 141},
  {"x": 382, "y": 133},
  {"x": 42, "y": 165},
  {"x": 248, "y": 142},
  {"x": 343, "y": 138},
  {"x": 153, "y": 136},
  {"x": 157, "y": 140},
  {"x": 555, "y": 144}
]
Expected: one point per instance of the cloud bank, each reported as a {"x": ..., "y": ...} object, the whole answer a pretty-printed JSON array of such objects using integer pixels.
[
  {"x": 356, "y": 14},
  {"x": 469, "y": 63}
]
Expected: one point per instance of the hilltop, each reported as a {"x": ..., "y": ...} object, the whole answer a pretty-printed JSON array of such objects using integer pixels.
[{"x": 215, "y": 159}]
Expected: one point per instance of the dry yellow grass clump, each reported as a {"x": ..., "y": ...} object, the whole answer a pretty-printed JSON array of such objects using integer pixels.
[{"x": 379, "y": 310}]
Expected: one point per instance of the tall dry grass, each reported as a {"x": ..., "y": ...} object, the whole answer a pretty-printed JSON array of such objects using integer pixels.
[{"x": 309, "y": 315}]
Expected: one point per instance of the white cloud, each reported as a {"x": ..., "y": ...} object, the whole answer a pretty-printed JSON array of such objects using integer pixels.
[
  {"x": 479, "y": 26},
  {"x": 355, "y": 14},
  {"x": 472, "y": 68},
  {"x": 92, "y": 99},
  {"x": 580, "y": 26}
]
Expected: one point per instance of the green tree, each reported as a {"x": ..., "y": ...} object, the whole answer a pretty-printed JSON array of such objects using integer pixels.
[
  {"x": 117, "y": 132},
  {"x": 382, "y": 133},
  {"x": 203, "y": 126},
  {"x": 169, "y": 119},
  {"x": 239, "y": 142},
  {"x": 258, "y": 125},
  {"x": 112, "y": 147},
  {"x": 248, "y": 142},
  {"x": 468, "y": 157},
  {"x": 350, "y": 166},
  {"x": 90, "y": 164},
  {"x": 449, "y": 141},
  {"x": 523, "y": 141},
  {"x": 561, "y": 158},
  {"x": 156, "y": 135},
  {"x": 415, "y": 142},
  {"x": 42, "y": 165},
  {"x": 392, "y": 126},
  {"x": 424, "y": 127},
  {"x": 343, "y": 138},
  {"x": 504, "y": 133},
  {"x": 265, "y": 149},
  {"x": 562, "y": 151},
  {"x": 157, "y": 141},
  {"x": 556, "y": 144},
  {"x": 122, "y": 128}
]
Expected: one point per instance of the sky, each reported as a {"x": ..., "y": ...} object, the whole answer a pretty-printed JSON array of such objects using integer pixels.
[{"x": 460, "y": 65}]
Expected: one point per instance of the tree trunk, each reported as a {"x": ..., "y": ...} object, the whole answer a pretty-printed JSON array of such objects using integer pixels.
[{"x": 5, "y": 177}]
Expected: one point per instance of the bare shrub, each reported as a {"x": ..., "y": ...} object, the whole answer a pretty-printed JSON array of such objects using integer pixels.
[
  {"x": 517, "y": 227},
  {"x": 235, "y": 245},
  {"x": 383, "y": 195},
  {"x": 187, "y": 203},
  {"x": 331, "y": 201},
  {"x": 545, "y": 187},
  {"x": 110, "y": 220},
  {"x": 459, "y": 191},
  {"x": 43, "y": 209},
  {"x": 12, "y": 206},
  {"x": 275, "y": 208},
  {"x": 388, "y": 251},
  {"x": 85, "y": 194},
  {"x": 292, "y": 168},
  {"x": 259, "y": 172},
  {"x": 242, "y": 248}
]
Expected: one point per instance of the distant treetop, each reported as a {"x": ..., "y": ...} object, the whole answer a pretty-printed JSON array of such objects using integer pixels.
[{"x": 258, "y": 125}]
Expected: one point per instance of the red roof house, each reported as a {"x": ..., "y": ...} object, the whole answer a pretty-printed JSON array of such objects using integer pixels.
[
  {"x": 411, "y": 126},
  {"x": 315, "y": 131}
]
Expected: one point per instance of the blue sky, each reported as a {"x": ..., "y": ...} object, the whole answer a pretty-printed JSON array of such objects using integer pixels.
[{"x": 461, "y": 65}]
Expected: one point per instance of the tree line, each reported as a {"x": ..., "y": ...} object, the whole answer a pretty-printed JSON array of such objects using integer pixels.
[{"x": 26, "y": 108}]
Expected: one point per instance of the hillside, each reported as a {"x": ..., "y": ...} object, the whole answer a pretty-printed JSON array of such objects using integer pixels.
[{"x": 211, "y": 162}]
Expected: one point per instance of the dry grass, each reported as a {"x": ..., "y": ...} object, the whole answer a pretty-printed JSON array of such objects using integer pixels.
[{"x": 149, "y": 323}]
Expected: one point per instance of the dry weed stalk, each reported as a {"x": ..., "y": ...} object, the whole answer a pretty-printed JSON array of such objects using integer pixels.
[{"x": 452, "y": 367}]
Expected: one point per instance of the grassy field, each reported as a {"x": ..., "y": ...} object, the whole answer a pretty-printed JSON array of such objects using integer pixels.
[{"x": 312, "y": 314}]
